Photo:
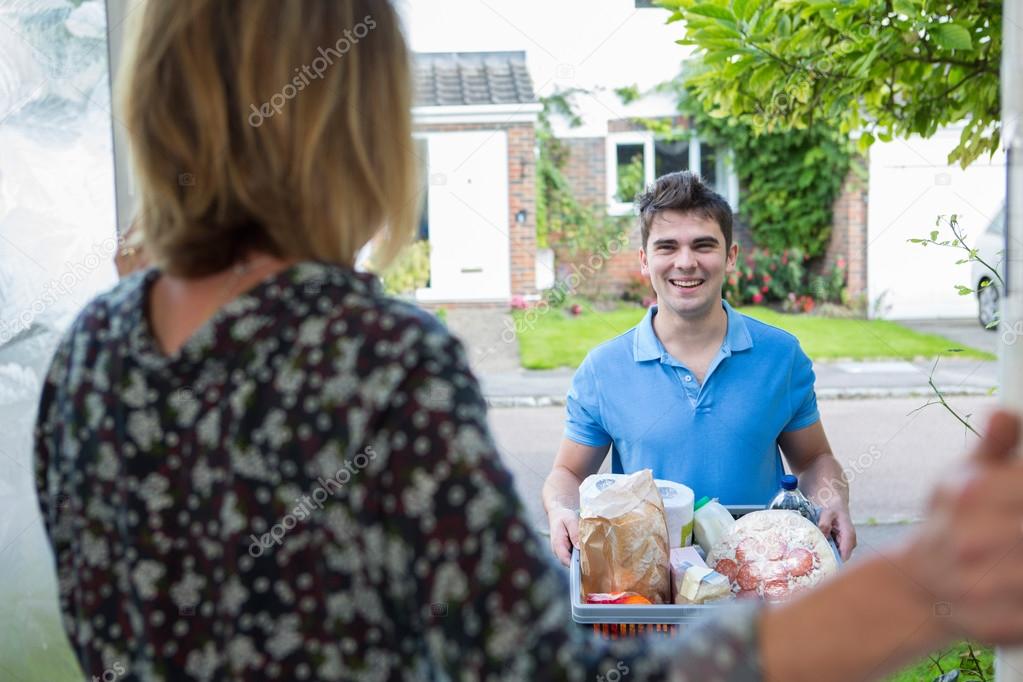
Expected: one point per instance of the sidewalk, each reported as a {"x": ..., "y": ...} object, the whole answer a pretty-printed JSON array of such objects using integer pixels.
[{"x": 835, "y": 380}]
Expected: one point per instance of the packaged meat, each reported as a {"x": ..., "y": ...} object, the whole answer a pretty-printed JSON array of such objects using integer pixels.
[
  {"x": 773, "y": 554},
  {"x": 712, "y": 522},
  {"x": 623, "y": 539}
]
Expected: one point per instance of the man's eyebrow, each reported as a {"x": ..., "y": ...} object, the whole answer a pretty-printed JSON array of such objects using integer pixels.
[
  {"x": 665, "y": 241},
  {"x": 705, "y": 239}
]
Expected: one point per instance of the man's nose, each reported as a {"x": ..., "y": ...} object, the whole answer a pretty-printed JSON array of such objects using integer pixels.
[{"x": 685, "y": 259}]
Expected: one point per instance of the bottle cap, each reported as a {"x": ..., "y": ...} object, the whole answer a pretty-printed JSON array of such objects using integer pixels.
[
  {"x": 702, "y": 501},
  {"x": 789, "y": 482}
]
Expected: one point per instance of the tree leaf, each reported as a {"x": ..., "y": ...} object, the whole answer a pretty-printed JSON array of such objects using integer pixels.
[
  {"x": 906, "y": 7},
  {"x": 707, "y": 9},
  {"x": 744, "y": 8},
  {"x": 951, "y": 36}
]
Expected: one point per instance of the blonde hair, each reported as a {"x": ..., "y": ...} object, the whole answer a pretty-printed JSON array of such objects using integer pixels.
[{"x": 261, "y": 124}]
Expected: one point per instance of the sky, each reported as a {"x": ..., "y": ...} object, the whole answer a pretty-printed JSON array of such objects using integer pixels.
[{"x": 568, "y": 43}]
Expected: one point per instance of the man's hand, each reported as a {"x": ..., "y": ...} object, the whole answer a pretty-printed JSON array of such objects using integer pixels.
[
  {"x": 564, "y": 533},
  {"x": 835, "y": 520}
]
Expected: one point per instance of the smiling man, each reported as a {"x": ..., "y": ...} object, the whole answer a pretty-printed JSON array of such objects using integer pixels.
[{"x": 697, "y": 392}]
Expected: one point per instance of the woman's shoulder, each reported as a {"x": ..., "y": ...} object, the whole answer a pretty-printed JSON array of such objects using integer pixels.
[{"x": 352, "y": 305}]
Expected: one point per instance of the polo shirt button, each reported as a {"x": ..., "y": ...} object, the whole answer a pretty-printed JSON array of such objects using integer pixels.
[{"x": 688, "y": 378}]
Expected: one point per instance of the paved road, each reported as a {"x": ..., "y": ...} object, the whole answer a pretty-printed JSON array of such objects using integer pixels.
[{"x": 893, "y": 458}]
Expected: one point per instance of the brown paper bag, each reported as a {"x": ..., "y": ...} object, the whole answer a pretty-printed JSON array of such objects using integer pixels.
[{"x": 623, "y": 540}]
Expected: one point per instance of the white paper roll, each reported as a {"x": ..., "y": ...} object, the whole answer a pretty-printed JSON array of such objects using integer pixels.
[
  {"x": 678, "y": 511},
  {"x": 593, "y": 485}
]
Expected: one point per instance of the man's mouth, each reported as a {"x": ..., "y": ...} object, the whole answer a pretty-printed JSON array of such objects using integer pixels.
[{"x": 688, "y": 283}]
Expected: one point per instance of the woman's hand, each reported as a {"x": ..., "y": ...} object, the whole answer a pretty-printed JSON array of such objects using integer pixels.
[
  {"x": 969, "y": 554},
  {"x": 960, "y": 576}
]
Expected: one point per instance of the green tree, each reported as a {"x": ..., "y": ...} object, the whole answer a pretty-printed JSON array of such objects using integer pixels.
[{"x": 884, "y": 68}]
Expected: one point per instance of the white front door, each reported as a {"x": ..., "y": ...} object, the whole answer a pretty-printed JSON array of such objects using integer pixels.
[{"x": 467, "y": 208}]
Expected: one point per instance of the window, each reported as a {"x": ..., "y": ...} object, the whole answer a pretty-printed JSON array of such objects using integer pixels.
[
  {"x": 631, "y": 171},
  {"x": 57, "y": 243},
  {"x": 635, "y": 159},
  {"x": 670, "y": 156}
]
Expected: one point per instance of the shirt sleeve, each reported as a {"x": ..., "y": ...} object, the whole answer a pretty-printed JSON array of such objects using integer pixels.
[
  {"x": 481, "y": 591},
  {"x": 582, "y": 422},
  {"x": 802, "y": 396}
]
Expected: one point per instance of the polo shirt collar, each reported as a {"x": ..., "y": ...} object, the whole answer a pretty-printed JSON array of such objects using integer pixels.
[{"x": 646, "y": 345}]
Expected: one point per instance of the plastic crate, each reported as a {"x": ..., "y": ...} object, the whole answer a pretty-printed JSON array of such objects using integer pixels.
[{"x": 612, "y": 621}]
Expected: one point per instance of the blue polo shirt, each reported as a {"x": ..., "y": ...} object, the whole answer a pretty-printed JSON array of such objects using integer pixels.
[{"x": 719, "y": 438}]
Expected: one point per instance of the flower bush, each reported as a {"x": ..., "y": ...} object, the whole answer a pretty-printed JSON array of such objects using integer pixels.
[{"x": 763, "y": 276}]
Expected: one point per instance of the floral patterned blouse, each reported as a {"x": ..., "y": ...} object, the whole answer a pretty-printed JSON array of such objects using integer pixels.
[{"x": 307, "y": 490}]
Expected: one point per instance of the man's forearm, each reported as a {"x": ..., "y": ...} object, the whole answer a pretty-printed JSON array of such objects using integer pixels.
[
  {"x": 824, "y": 482},
  {"x": 561, "y": 490}
]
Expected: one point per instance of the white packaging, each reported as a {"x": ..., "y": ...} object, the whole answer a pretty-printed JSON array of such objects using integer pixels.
[
  {"x": 712, "y": 523},
  {"x": 678, "y": 511}
]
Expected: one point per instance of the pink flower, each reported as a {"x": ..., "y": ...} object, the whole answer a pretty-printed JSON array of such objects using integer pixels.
[
  {"x": 840, "y": 263},
  {"x": 758, "y": 297},
  {"x": 518, "y": 302},
  {"x": 767, "y": 279},
  {"x": 784, "y": 259},
  {"x": 576, "y": 309},
  {"x": 764, "y": 289}
]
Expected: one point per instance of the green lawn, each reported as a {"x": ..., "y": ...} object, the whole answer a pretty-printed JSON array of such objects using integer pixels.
[
  {"x": 557, "y": 339},
  {"x": 953, "y": 658}
]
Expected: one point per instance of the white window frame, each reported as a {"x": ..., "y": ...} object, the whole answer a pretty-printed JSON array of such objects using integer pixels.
[{"x": 725, "y": 168}]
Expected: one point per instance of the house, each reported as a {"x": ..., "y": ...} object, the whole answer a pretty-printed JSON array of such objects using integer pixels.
[
  {"x": 627, "y": 43},
  {"x": 897, "y": 194},
  {"x": 613, "y": 137},
  {"x": 475, "y": 128}
]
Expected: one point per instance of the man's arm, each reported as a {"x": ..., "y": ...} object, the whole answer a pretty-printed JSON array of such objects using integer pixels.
[
  {"x": 573, "y": 463},
  {"x": 822, "y": 480}
]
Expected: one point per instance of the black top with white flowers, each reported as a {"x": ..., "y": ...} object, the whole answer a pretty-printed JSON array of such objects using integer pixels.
[{"x": 307, "y": 490}]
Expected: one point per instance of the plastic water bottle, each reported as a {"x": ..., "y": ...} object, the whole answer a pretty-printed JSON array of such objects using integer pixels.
[{"x": 790, "y": 498}]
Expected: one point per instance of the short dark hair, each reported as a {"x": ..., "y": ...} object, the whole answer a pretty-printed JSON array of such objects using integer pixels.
[{"x": 683, "y": 191}]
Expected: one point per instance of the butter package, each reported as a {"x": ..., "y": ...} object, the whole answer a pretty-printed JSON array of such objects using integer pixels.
[{"x": 693, "y": 582}]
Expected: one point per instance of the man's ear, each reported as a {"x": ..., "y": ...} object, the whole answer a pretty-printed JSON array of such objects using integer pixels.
[
  {"x": 644, "y": 267},
  {"x": 732, "y": 257}
]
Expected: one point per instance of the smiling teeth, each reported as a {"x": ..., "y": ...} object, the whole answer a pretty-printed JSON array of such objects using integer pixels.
[{"x": 686, "y": 283}]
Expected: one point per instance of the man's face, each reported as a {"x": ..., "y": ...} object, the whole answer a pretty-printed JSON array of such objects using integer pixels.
[{"x": 686, "y": 260}]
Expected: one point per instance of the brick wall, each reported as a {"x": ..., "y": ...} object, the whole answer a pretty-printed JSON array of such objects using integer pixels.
[
  {"x": 521, "y": 196},
  {"x": 849, "y": 230},
  {"x": 585, "y": 168}
]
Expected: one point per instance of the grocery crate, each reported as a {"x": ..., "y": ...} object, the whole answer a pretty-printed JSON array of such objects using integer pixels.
[{"x": 612, "y": 621}]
